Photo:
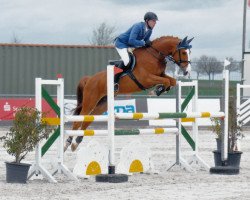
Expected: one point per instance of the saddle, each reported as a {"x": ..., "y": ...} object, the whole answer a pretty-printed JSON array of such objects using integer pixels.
[
  {"x": 126, "y": 70},
  {"x": 119, "y": 64}
]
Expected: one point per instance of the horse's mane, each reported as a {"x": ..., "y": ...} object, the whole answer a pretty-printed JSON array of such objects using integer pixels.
[
  {"x": 157, "y": 40},
  {"x": 165, "y": 38}
]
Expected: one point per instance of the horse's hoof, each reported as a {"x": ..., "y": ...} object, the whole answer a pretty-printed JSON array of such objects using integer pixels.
[
  {"x": 168, "y": 89},
  {"x": 74, "y": 146}
]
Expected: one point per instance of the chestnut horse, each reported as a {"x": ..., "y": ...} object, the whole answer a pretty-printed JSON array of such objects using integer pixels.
[{"x": 149, "y": 71}]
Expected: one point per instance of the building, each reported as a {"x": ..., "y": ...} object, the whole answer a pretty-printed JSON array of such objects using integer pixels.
[{"x": 20, "y": 64}]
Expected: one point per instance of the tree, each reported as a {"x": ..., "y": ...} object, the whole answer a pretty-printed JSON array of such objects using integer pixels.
[
  {"x": 103, "y": 35},
  {"x": 234, "y": 65},
  {"x": 209, "y": 66},
  {"x": 196, "y": 68},
  {"x": 15, "y": 39}
]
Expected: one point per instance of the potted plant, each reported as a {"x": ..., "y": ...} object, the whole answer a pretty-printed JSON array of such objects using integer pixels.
[
  {"x": 216, "y": 128},
  {"x": 22, "y": 137},
  {"x": 234, "y": 135}
]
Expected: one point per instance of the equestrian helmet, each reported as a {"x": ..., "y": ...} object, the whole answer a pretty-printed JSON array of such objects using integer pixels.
[{"x": 150, "y": 16}]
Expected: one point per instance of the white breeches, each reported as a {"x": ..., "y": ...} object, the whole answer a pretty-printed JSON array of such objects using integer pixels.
[{"x": 124, "y": 55}]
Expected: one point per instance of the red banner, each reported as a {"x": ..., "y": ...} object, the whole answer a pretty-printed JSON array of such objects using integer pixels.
[
  {"x": 8, "y": 107},
  {"x": 248, "y": 3}
]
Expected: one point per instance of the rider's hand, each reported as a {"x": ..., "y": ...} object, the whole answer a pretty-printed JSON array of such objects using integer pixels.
[{"x": 148, "y": 43}]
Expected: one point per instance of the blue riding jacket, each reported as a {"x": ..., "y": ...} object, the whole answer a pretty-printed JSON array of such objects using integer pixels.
[{"x": 134, "y": 37}]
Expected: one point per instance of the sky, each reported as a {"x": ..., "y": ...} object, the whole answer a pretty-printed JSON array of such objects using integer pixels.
[{"x": 216, "y": 25}]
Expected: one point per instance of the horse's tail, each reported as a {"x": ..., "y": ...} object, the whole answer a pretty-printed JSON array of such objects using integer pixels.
[{"x": 79, "y": 94}]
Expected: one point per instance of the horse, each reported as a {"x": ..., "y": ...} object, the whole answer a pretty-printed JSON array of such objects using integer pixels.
[{"x": 149, "y": 71}]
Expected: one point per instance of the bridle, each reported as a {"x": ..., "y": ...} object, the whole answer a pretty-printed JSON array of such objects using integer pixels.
[
  {"x": 171, "y": 58},
  {"x": 163, "y": 58},
  {"x": 159, "y": 56}
]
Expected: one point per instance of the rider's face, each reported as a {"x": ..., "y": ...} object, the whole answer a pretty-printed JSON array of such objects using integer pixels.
[{"x": 151, "y": 23}]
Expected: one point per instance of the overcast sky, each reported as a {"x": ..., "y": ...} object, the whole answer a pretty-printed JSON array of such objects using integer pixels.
[{"x": 215, "y": 24}]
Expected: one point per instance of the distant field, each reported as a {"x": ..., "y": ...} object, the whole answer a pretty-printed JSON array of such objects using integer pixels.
[{"x": 206, "y": 89}]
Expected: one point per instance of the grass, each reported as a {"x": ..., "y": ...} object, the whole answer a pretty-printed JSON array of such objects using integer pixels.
[{"x": 206, "y": 89}]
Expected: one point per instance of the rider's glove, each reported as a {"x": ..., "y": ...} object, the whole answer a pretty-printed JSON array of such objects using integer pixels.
[{"x": 148, "y": 43}]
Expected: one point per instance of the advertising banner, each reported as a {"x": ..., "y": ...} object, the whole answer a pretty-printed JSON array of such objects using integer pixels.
[
  {"x": 8, "y": 106},
  {"x": 121, "y": 106}
]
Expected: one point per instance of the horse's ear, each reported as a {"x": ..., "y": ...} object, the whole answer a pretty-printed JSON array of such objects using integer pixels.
[
  {"x": 183, "y": 41},
  {"x": 184, "y": 44},
  {"x": 190, "y": 40}
]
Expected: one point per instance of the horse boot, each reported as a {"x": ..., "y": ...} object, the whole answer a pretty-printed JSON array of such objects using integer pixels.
[
  {"x": 118, "y": 76},
  {"x": 76, "y": 144},
  {"x": 160, "y": 89},
  {"x": 67, "y": 143}
]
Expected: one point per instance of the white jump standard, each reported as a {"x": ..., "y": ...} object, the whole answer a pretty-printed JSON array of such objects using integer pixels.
[
  {"x": 37, "y": 167},
  {"x": 225, "y": 168}
]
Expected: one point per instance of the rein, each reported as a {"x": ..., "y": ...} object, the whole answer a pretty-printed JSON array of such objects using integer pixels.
[
  {"x": 171, "y": 58},
  {"x": 162, "y": 57}
]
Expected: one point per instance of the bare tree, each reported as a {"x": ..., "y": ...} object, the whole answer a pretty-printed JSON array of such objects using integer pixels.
[
  {"x": 196, "y": 68},
  {"x": 103, "y": 35},
  {"x": 209, "y": 66},
  {"x": 15, "y": 39},
  {"x": 234, "y": 65}
]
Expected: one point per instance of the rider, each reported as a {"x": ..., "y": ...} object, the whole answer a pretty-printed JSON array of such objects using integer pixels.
[{"x": 136, "y": 36}]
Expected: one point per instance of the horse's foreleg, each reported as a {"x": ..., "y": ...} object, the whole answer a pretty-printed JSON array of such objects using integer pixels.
[
  {"x": 171, "y": 79},
  {"x": 155, "y": 80}
]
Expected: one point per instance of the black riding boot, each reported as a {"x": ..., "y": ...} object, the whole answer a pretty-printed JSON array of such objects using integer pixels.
[{"x": 118, "y": 76}]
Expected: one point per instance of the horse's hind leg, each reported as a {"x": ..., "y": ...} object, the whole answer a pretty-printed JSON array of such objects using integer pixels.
[
  {"x": 98, "y": 110},
  {"x": 88, "y": 104},
  {"x": 69, "y": 140}
]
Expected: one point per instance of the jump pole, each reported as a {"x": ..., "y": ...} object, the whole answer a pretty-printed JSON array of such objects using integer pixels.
[
  {"x": 111, "y": 177},
  {"x": 224, "y": 150}
]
